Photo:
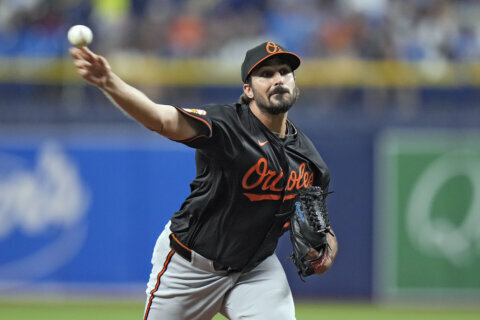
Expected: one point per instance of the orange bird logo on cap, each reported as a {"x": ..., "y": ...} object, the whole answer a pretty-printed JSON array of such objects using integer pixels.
[{"x": 271, "y": 47}]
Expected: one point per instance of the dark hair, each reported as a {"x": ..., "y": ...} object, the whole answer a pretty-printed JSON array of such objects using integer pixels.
[{"x": 244, "y": 99}]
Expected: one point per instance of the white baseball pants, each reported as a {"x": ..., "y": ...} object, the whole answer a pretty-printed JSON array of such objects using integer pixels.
[{"x": 183, "y": 290}]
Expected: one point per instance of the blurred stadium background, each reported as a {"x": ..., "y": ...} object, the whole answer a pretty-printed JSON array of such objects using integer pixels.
[{"x": 389, "y": 95}]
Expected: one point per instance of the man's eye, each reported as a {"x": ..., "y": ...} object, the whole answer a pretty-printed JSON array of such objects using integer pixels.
[{"x": 266, "y": 74}]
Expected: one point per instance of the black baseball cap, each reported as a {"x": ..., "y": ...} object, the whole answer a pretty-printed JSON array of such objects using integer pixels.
[{"x": 262, "y": 52}]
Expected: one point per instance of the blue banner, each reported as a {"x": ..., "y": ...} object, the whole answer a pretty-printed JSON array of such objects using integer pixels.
[{"x": 85, "y": 208}]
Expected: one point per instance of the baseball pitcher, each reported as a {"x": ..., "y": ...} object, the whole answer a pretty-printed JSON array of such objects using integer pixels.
[{"x": 258, "y": 175}]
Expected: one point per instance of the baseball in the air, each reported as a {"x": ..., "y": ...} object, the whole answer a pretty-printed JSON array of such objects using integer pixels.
[{"x": 80, "y": 35}]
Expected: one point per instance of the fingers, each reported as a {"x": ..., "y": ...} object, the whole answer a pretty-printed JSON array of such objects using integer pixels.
[
  {"x": 80, "y": 64},
  {"x": 90, "y": 66},
  {"x": 87, "y": 75},
  {"x": 323, "y": 263},
  {"x": 88, "y": 52},
  {"x": 312, "y": 254},
  {"x": 84, "y": 67},
  {"x": 83, "y": 53}
]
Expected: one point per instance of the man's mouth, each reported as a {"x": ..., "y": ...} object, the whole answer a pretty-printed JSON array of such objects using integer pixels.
[{"x": 278, "y": 90}]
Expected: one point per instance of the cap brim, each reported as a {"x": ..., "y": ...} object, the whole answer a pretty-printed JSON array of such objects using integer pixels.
[{"x": 292, "y": 59}]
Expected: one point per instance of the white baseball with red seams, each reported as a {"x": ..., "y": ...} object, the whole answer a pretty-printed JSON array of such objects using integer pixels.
[{"x": 80, "y": 35}]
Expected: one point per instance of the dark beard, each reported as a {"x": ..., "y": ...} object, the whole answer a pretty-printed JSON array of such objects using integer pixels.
[{"x": 279, "y": 106}]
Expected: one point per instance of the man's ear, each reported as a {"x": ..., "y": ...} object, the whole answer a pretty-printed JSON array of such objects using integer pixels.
[{"x": 247, "y": 89}]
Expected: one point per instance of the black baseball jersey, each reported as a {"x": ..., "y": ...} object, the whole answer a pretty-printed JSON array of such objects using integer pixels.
[{"x": 245, "y": 185}]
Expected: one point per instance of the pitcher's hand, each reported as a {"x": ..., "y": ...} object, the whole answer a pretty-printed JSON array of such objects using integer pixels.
[
  {"x": 328, "y": 257},
  {"x": 91, "y": 67}
]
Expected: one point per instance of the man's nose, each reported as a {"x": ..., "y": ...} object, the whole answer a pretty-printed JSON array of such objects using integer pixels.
[{"x": 278, "y": 78}]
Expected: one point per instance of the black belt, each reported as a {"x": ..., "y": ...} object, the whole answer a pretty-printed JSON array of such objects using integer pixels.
[{"x": 186, "y": 253}]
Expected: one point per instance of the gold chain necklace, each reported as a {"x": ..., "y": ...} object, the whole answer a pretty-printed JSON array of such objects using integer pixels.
[{"x": 278, "y": 134}]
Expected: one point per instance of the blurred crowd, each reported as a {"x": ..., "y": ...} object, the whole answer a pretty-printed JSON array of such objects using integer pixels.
[
  {"x": 409, "y": 30},
  {"x": 441, "y": 31}
]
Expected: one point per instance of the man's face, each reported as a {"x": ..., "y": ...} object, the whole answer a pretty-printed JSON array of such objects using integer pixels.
[{"x": 273, "y": 86}]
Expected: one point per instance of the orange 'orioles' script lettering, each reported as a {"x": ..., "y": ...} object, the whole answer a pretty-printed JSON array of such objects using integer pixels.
[{"x": 260, "y": 176}]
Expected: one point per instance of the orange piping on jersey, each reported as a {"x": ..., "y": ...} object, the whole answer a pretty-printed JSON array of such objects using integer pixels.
[
  {"x": 178, "y": 241},
  {"x": 197, "y": 118},
  {"x": 165, "y": 265}
]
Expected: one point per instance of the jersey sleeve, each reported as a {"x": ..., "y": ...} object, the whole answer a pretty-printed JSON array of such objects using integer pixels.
[
  {"x": 200, "y": 115},
  {"x": 215, "y": 120}
]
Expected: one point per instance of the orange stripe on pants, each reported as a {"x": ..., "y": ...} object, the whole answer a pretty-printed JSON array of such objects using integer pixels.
[{"x": 165, "y": 265}]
